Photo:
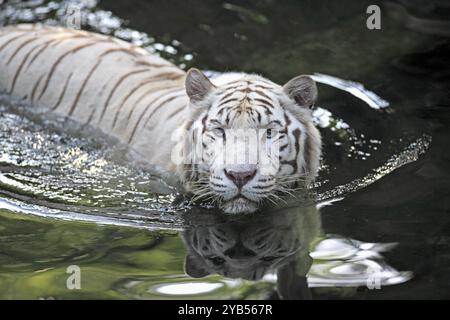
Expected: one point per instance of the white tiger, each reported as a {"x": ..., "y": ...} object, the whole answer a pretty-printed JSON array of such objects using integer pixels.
[{"x": 161, "y": 112}]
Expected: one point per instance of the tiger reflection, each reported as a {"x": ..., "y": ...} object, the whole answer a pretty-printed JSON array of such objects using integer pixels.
[{"x": 251, "y": 246}]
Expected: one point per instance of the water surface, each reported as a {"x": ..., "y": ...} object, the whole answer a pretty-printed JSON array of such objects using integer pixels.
[{"x": 378, "y": 225}]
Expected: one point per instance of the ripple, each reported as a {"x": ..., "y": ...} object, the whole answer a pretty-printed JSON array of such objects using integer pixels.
[
  {"x": 56, "y": 173},
  {"x": 357, "y": 89}
]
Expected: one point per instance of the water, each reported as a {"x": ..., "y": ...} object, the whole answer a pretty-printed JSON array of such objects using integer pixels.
[{"x": 378, "y": 226}]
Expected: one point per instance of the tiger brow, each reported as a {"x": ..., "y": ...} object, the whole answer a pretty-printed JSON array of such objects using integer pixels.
[
  {"x": 273, "y": 121},
  {"x": 215, "y": 121}
]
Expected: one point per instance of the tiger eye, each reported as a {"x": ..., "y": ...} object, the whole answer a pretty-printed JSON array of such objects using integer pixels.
[{"x": 218, "y": 132}]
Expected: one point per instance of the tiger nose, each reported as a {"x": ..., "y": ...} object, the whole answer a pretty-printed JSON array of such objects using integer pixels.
[{"x": 240, "y": 178}]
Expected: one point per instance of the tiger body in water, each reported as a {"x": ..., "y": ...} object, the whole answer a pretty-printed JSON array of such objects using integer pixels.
[
  {"x": 156, "y": 109},
  {"x": 96, "y": 80}
]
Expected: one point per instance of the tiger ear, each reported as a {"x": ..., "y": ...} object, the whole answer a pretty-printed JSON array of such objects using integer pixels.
[
  {"x": 197, "y": 85},
  {"x": 194, "y": 268},
  {"x": 302, "y": 89}
]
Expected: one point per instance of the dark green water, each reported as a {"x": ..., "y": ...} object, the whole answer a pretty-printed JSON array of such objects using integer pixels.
[{"x": 380, "y": 228}]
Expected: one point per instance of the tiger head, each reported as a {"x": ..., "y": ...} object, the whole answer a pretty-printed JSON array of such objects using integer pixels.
[{"x": 247, "y": 139}]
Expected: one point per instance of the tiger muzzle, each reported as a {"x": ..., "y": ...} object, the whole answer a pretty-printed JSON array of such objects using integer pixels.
[{"x": 240, "y": 178}]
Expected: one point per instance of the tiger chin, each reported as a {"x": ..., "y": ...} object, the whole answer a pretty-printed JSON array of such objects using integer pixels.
[
  {"x": 242, "y": 107},
  {"x": 175, "y": 123},
  {"x": 239, "y": 205}
]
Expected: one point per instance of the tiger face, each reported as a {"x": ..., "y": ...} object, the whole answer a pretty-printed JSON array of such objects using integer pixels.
[{"x": 249, "y": 140}]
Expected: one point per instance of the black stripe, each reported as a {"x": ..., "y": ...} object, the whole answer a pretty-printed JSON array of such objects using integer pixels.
[
  {"x": 146, "y": 81},
  {"x": 235, "y": 81},
  {"x": 91, "y": 72},
  {"x": 38, "y": 53},
  {"x": 63, "y": 92},
  {"x": 175, "y": 112},
  {"x": 204, "y": 123},
  {"x": 263, "y": 87},
  {"x": 219, "y": 113},
  {"x": 283, "y": 147},
  {"x": 83, "y": 85},
  {"x": 262, "y": 187},
  {"x": 288, "y": 121},
  {"x": 261, "y": 93},
  {"x": 16, "y": 75},
  {"x": 217, "y": 185},
  {"x": 33, "y": 92},
  {"x": 126, "y": 50},
  {"x": 234, "y": 87},
  {"x": 116, "y": 115},
  {"x": 162, "y": 103},
  {"x": 227, "y": 95},
  {"x": 215, "y": 121},
  {"x": 236, "y": 114},
  {"x": 58, "y": 61},
  {"x": 264, "y": 102},
  {"x": 138, "y": 122},
  {"x": 307, "y": 155},
  {"x": 152, "y": 65},
  {"x": 296, "y": 134},
  {"x": 94, "y": 109},
  {"x": 258, "y": 115},
  {"x": 12, "y": 40},
  {"x": 20, "y": 48},
  {"x": 275, "y": 121},
  {"x": 144, "y": 94},
  {"x": 114, "y": 88},
  {"x": 266, "y": 108},
  {"x": 227, "y": 119},
  {"x": 227, "y": 101}
]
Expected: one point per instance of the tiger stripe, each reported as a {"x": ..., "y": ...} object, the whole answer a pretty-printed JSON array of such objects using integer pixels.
[
  {"x": 140, "y": 85},
  {"x": 39, "y": 52},
  {"x": 23, "y": 44},
  {"x": 61, "y": 96},
  {"x": 154, "y": 110},
  {"x": 115, "y": 87},
  {"x": 180, "y": 94},
  {"x": 58, "y": 61},
  {"x": 8, "y": 43},
  {"x": 83, "y": 85},
  {"x": 139, "y": 100},
  {"x": 21, "y": 65},
  {"x": 33, "y": 92}
]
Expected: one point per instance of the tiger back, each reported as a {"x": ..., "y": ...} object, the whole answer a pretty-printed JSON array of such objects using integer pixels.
[{"x": 97, "y": 80}]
